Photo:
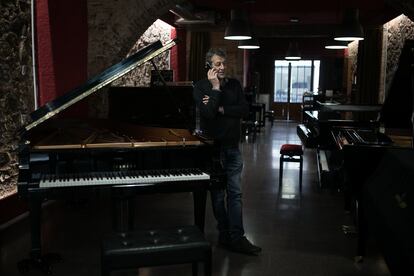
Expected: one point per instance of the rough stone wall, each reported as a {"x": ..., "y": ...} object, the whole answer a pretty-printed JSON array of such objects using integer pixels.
[
  {"x": 353, "y": 57},
  {"x": 16, "y": 85},
  {"x": 141, "y": 76},
  {"x": 114, "y": 27},
  {"x": 396, "y": 31}
]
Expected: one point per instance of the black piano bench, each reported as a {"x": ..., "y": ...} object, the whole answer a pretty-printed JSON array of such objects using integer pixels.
[
  {"x": 291, "y": 153},
  {"x": 144, "y": 248}
]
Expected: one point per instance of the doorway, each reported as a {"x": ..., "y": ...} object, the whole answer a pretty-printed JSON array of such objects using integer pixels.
[{"x": 291, "y": 80}]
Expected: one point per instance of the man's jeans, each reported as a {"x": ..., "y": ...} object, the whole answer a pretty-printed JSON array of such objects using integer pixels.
[{"x": 228, "y": 210}]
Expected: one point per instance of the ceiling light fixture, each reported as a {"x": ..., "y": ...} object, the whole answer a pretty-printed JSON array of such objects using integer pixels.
[
  {"x": 249, "y": 44},
  {"x": 238, "y": 28},
  {"x": 350, "y": 28},
  {"x": 294, "y": 20},
  {"x": 336, "y": 45},
  {"x": 293, "y": 52}
]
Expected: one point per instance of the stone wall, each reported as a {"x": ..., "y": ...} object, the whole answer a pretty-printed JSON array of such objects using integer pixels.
[
  {"x": 396, "y": 32},
  {"x": 16, "y": 85},
  {"x": 141, "y": 76},
  {"x": 114, "y": 28}
]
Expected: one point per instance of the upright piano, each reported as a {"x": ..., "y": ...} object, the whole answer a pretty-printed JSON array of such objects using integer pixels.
[
  {"x": 362, "y": 149},
  {"x": 58, "y": 156}
]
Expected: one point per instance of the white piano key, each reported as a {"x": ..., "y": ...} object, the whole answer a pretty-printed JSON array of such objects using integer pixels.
[{"x": 53, "y": 181}]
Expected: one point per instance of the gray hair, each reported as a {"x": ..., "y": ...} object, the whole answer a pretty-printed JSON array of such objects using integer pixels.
[{"x": 215, "y": 51}]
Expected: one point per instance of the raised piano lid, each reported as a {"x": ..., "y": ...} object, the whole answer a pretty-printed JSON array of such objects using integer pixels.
[{"x": 94, "y": 84}]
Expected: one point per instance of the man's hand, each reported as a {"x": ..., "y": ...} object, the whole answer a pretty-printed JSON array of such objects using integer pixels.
[
  {"x": 212, "y": 77},
  {"x": 205, "y": 99}
]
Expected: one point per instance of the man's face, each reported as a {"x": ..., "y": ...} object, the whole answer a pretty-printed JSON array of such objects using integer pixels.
[{"x": 219, "y": 64}]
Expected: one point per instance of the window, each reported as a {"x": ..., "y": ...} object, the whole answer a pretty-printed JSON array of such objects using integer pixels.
[{"x": 304, "y": 76}]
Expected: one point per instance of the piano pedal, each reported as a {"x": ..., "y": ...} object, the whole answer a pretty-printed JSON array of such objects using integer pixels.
[{"x": 43, "y": 263}]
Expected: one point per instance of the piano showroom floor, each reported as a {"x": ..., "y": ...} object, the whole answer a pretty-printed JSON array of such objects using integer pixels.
[{"x": 299, "y": 234}]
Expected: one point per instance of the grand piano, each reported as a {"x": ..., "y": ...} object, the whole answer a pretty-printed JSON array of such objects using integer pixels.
[
  {"x": 59, "y": 156},
  {"x": 361, "y": 148}
]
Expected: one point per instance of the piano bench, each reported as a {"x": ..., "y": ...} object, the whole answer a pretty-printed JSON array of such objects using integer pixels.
[
  {"x": 144, "y": 248},
  {"x": 291, "y": 153}
]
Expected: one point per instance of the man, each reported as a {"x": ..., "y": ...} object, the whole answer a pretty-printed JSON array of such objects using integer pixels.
[{"x": 222, "y": 105}]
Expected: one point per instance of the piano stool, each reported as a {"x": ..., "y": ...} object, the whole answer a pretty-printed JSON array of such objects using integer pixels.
[
  {"x": 168, "y": 246},
  {"x": 291, "y": 153}
]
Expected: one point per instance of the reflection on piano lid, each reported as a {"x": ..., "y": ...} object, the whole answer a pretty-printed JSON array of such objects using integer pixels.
[{"x": 114, "y": 72}]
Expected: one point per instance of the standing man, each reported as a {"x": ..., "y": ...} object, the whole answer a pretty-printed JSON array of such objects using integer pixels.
[{"x": 222, "y": 105}]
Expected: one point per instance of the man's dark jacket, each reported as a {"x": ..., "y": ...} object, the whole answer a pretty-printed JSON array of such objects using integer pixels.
[{"x": 224, "y": 128}]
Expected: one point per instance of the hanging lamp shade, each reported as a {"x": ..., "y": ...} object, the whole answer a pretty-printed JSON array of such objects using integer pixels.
[
  {"x": 293, "y": 52},
  {"x": 238, "y": 28},
  {"x": 336, "y": 45},
  {"x": 249, "y": 44},
  {"x": 350, "y": 28}
]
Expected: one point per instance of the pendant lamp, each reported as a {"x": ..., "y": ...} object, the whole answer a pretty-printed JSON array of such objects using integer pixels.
[
  {"x": 350, "y": 28},
  {"x": 336, "y": 45},
  {"x": 293, "y": 52},
  {"x": 238, "y": 28},
  {"x": 249, "y": 44}
]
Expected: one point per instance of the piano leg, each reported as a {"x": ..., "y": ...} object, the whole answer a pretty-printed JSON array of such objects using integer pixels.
[
  {"x": 362, "y": 232},
  {"x": 36, "y": 260},
  {"x": 123, "y": 209},
  {"x": 199, "y": 199}
]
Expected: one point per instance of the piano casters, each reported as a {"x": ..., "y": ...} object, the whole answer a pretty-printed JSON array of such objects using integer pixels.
[{"x": 36, "y": 260}]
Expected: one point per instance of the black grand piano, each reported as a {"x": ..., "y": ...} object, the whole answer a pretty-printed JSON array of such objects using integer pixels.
[
  {"x": 59, "y": 156},
  {"x": 359, "y": 147}
]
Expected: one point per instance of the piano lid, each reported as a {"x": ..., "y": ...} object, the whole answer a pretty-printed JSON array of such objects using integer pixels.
[
  {"x": 112, "y": 73},
  {"x": 398, "y": 105}
]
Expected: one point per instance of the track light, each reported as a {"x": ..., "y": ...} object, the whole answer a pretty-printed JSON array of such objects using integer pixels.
[{"x": 238, "y": 28}]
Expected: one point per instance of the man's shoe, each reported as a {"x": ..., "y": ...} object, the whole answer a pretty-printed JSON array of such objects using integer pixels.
[{"x": 243, "y": 245}]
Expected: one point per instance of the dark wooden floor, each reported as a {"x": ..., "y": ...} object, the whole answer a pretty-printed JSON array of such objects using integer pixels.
[{"x": 299, "y": 234}]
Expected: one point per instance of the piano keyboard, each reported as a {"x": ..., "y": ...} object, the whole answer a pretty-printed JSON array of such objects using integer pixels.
[{"x": 121, "y": 178}]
